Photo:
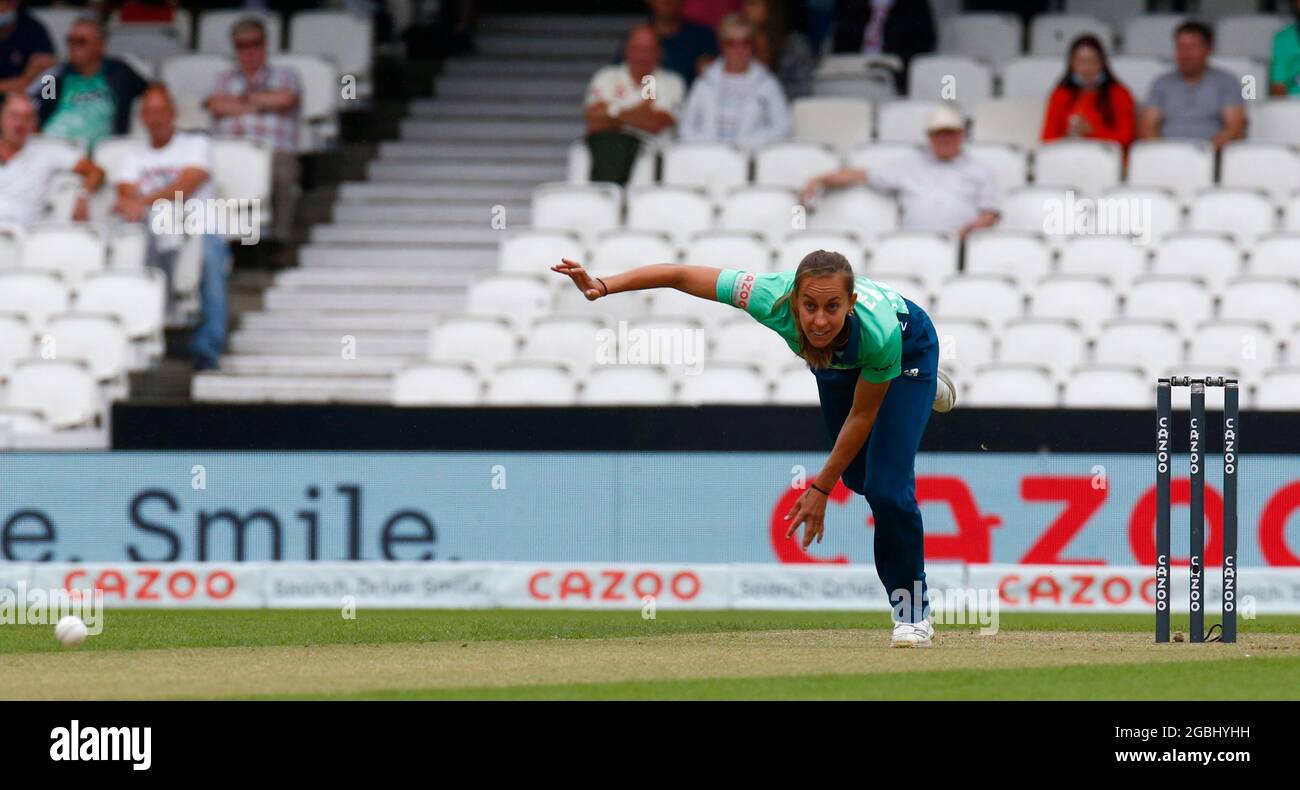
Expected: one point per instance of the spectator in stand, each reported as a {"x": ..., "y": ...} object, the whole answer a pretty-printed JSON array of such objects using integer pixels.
[
  {"x": 25, "y": 47},
  {"x": 709, "y": 13},
  {"x": 687, "y": 47},
  {"x": 1089, "y": 102},
  {"x": 885, "y": 27},
  {"x": 260, "y": 102},
  {"x": 783, "y": 50},
  {"x": 629, "y": 104},
  {"x": 177, "y": 166},
  {"x": 26, "y": 170},
  {"x": 92, "y": 94},
  {"x": 736, "y": 100},
  {"x": 1284, "y": 76},
  {"x": 942, "y": 189},
  {"x": 1196, "y": 102}
]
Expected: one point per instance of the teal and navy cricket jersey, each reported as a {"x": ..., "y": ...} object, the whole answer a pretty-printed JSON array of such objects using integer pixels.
[{"x": 875, "y": 344}]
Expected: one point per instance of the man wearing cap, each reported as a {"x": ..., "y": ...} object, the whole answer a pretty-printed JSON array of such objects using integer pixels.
[{"x": 940, "y": 189}]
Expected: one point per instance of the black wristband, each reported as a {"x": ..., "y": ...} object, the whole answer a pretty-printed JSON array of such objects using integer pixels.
[
  {"x": 814, "y": 486},
  {"x": 602, "y": 285}
]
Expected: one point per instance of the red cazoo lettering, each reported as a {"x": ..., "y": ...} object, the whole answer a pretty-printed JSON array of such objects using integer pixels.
[
  {"x": 616, "y": 585},
  {"x": 1077, "y": 590},
  {"x": 141, "y": 584},
  {"x": 744, "y": 289}
]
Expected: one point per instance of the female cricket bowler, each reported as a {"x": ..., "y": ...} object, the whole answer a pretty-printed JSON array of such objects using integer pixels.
[{"x": 876, "y": 359}]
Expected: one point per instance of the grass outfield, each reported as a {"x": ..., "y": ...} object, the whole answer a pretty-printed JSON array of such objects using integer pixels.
[{"x": 438, "y": 654}]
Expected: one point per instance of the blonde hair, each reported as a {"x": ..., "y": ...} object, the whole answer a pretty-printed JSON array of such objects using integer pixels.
[
  {"x": 736, "y": 22},
  {"x": 819, "y": 263}
]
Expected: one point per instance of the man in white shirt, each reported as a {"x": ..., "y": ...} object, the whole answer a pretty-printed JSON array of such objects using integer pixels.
[
  {"x": 177, "y": 166},
  {"x": 941, "y": 188},
  {"x": 629, "y": 104},
  {"x": 26, "y": 168}
]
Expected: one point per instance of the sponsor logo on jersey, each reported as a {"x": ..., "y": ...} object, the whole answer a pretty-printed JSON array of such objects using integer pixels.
[{"x": 744, "y": 289}]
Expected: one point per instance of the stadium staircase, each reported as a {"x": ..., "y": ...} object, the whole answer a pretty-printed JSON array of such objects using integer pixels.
[{"x": 395, "y": 242}]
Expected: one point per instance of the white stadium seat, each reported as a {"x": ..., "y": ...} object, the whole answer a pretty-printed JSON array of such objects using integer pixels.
[
  {"x": 929, "y": 255},
  {"x": 1183, "y": 166},
  {"x": 719, "y": 382},
  {"x": 904, "y": 121},
  {"x": 11, "y": 246},
  {"x": 769, "y": 211},
  {"x": 791, "y": 165},
  {"x": 481, "y": 341},
  {"x": 839, "y": 122},
  {"x": 678, "y": 211},
  {"x": 531, "y": 384},
  {"x": 1139, "y": 72},
  {"x": 449, "y": 384},
  {"x": 74, "y": 250},
  {"x": 215, "y": 27},
  {"x": 1272, "y": 300},
  {"x": 1004, "y": 385},
  {"x": 795, "y": 385},
  {"x": 867, "y": 157},
  {"x": 1051, "y": 34},
  {"x": 1248, "y": 346},
  {"x": 1054, "y": 343},
  {"x": 1107, "y": 387},
  {"x": 799, "y": 243},
  {"x": 1148, "y": 344},
  {"x": 1140, "y": 207},
  {"x": 1090, "y": 165},
  {"x": 1291, "y": 214},
  {"x": 1037, "y": 208},
  {"x": 1015, "y": 121},
  {"x": 1086, "y": 300},
  {"x": 1112, "y": 12},
  {"x": 535, "y": 251},
  {"x": 1009, "y": 163},
  {"x": 619, "y": 250},
  {"x": 346, "y": 38},
  {"x": 1151, "y": 35},
  {"x": 586, "y": 209},
  {"x": 1247, "y": 35},
  {"x": 964, "y": 343},
  {"x": 190, "y": 77},
  {"x": 20, "y": 422},
  {"x": 1276, "y": 254},
  {"x": 518, "y": 298},
  {"x": 1278, "y": 390},
  {"x": 715, "y": 167},
  {"x": 669, "y": 303},
  {"x": 319, "y": 104},
  {"x": 578, "y": 342},
  {"x": 730, "y": 249},
  {"x": 1275, "y": 121},
  {"x": 17, "y": 339},
  {"x": 64, "y": 392},
  {"x": 127, "y": 247},
  {"x": 1244, "y": 214},
  {"x": 992, "y": 297},
  {"x": 112, "y": 153},
  {"x": 743, "y": 340},
  {"x": 957, "y": 78},
  {"x": 642, "y": 385},
  {"x": 1212, "y": 257},
  {"x": 1272, "y": 167},
  {"x": 1185, "y": 301},
  {"x": 241, "y": 170},
  {"x": 98, "y": 340},
  {"x": 1117, "y": 258},
  {"x": 136, "y": 298},
  {"x": 1032, "y": 78},
  {"x": 1024, "y": 256},
  {"x": 854, "y": 76},
  {"x": 858, "y": 209},
  {"x": 990, "y": 37},
  {"x": 35, "y": 295}
]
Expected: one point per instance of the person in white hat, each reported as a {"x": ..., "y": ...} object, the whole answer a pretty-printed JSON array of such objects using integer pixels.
[{"x": 941, "y": 188}]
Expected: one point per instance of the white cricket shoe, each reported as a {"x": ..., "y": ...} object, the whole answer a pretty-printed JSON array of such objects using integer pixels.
[
  {"x": 945, "y": 393},
  {"x": 913, "y": 634}
]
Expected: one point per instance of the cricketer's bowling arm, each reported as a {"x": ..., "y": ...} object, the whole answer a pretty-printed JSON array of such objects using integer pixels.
[{"x": 698, "y": 281}]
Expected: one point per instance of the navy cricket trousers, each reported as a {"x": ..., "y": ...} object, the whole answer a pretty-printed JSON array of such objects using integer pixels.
[{"x": 884, "y": 471}]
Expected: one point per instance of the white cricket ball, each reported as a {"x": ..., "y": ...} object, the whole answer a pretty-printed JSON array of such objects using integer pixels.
[{"x": 70, "y": 631}]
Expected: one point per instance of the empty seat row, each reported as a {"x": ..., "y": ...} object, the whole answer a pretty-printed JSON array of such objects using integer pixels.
[
  {"x": 1009, "y": 385},
  {"x": 50, "y": 394}
]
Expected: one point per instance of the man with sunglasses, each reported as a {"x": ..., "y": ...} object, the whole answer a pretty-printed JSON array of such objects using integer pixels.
[
  {"x": 259, "y": 101},
  {"x": 89, "y": 97}
]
